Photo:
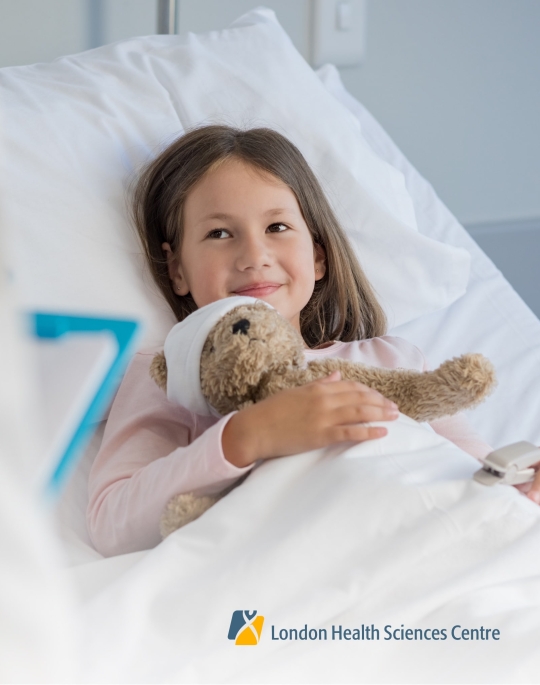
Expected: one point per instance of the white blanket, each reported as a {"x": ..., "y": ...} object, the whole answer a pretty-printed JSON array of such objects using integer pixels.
[{"x": 387, "y": 532}]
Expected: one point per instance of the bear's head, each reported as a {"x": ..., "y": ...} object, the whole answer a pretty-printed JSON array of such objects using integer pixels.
[{"x": 249, "y": 345}]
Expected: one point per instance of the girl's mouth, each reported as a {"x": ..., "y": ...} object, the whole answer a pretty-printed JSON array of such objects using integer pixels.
[{"x": 258, "y": 289}]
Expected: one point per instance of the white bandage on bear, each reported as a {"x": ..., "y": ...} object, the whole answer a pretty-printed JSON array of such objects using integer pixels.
[{"x": 183, "y": 349}]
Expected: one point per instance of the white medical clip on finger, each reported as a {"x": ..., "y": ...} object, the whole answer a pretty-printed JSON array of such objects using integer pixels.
[{"x": 509, "y": 465}]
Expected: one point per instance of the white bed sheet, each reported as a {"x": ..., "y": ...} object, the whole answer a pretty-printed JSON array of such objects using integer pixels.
[{"x": 388, "y": 532}]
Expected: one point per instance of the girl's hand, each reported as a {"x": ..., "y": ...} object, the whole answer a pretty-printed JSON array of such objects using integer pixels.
[
  {"x": 532, "y": 488},
  {"x": 318, "y": 414}
]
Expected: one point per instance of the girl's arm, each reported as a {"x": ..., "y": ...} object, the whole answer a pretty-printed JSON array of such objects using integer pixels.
[
  {"x": 151, "y": 450},
  {"x": 457, "y": 429}
]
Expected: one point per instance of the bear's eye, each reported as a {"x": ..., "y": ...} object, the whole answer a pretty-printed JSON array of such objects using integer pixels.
[{"x": 241, "y": 326}]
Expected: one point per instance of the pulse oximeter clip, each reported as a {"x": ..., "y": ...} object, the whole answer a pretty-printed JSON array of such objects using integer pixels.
[{"x": 509, "y": 465}]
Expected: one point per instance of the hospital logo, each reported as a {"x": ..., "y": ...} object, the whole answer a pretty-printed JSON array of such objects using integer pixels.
[{"x": 246, "y": 627}]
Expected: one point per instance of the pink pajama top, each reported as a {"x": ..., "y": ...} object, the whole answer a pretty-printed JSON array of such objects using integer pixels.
[{"x": 153, "y": 449}]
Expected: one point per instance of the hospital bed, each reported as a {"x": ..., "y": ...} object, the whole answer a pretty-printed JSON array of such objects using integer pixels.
[{"x": 388, "y": 534}]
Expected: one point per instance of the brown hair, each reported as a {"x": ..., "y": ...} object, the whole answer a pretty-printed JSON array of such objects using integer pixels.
[{"x": 343, "y": 305}]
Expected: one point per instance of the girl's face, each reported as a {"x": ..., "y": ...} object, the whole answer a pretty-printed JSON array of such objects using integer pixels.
[{"x": 244, "y": 234}]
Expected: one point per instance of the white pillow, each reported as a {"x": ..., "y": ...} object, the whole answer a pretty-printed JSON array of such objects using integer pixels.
[{"x": 78, "y": 129}]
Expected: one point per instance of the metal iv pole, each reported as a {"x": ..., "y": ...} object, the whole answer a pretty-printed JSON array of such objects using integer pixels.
[{"x": 167, "y": 15}]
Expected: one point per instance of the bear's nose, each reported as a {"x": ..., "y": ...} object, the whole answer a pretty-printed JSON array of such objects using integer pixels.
[{"x": 241, "y": 326}]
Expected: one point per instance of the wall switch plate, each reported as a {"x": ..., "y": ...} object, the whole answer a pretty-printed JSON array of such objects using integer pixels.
[{"x": 338, "y": 32}]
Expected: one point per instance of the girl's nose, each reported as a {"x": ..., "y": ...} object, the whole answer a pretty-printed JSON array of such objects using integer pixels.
[{"x": 253, "y": 254}]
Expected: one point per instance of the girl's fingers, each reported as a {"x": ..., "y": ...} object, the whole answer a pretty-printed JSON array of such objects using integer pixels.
[
  {"x": 358, "y": 413},
  {"x": 355, "y": 433},
  {"x": 357, "y": 398},
  {"x": 334, "y": 376},
  {"x": 338, "y": 385},
  {"x": 534, "y": 492}
]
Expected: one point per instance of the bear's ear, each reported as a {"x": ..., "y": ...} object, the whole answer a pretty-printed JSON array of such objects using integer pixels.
[{"x": 158, "y": 370}]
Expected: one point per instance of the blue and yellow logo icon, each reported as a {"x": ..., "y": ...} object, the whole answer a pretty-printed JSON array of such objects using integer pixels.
[{"x": 246, "y": 627}]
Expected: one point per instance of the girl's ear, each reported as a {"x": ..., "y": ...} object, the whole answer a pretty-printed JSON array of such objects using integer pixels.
[
  {"x": 175, "y": 272},
  {"x": 319, "y": 258}
]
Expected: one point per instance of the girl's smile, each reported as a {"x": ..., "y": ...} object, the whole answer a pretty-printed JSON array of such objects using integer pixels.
[
  {"x": 244, "y": 234},
  {"x": 258, "y": 289}
]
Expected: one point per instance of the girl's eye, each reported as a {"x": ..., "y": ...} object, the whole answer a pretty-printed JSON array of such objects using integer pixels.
[
  {"x": 218, "y": 234},
  {"x": 277, "y": 228}
]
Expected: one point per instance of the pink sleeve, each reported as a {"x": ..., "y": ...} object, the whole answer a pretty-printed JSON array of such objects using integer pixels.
[
  {"x": 152, "y": 449},
  {"x": 458, "y": 430}
]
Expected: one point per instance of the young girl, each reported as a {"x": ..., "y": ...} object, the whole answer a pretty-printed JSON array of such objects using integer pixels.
[{"x": 225, "y": 212}]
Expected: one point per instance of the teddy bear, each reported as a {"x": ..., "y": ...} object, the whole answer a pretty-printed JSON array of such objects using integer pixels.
[{"x": 238, "y": 351}]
